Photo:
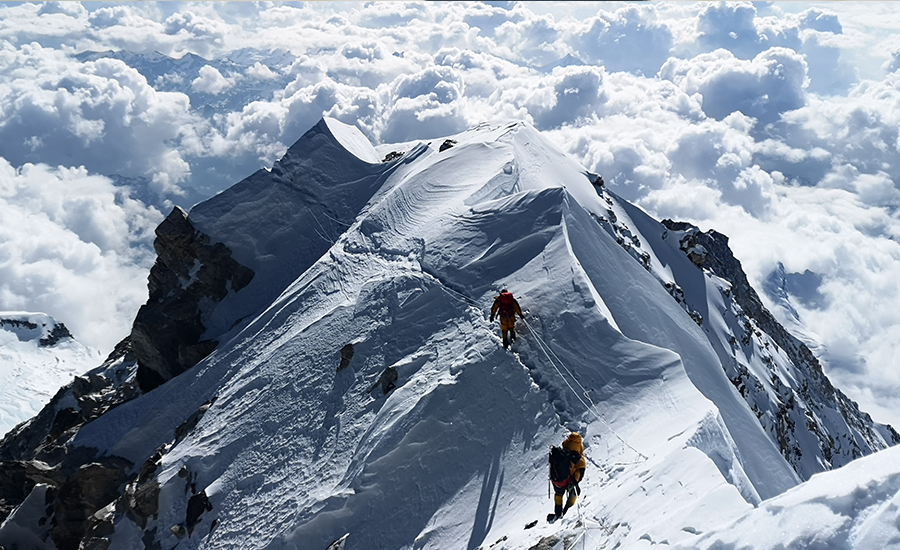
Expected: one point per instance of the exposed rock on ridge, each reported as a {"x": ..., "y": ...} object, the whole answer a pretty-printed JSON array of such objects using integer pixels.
[
  {"x": 74, "y": 481},
  {"x": 190, "y": 273},
  {"x": 49, "y": 337},
  {"x": 791, "y": 412}
]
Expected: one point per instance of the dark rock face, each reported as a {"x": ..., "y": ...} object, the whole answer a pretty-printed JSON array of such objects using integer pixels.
[
  {"x": 346, "y": 356},
  {"x": 91, "y": 487},
  {"x": 44, "y": 436},
  {"x": 789, "y": 414},
  {"x": 189, "y": 275},
  {"x": 59, "y": 332},
  {"x": 37, "y": 451},
  {"x": 196, "y": 506},
  {"x": 15, "y": 485}
]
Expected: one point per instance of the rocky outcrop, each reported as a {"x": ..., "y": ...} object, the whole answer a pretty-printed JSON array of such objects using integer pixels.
[
  {"x": 190, "y": 276},
  {"x": 58, "y": 333},
  {"x": 87, "y": 397},
  {"x": 50, "y": 336},
  {"x": 88, "y": 489},
  {"x": 37, "y": 452},
  {"x": 807, "y": 408},
  {"x": 87, "y": 495}
]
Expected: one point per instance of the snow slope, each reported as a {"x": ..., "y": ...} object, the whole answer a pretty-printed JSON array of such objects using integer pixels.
[
  {"x": 37, "y": 356},
  {"x": 401, "y": 260},
  {"x": 855, "y": 507}
]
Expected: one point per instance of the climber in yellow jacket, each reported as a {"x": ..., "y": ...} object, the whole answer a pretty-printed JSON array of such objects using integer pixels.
[{"x": 567, "y": 467}]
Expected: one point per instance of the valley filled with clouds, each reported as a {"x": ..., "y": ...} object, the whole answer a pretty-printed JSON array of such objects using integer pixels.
[{"x": 775, "y": 124}]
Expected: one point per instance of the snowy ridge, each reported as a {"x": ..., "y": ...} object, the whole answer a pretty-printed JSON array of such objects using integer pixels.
[
  {"x": 855, "y": 507},
  {"x": 269, "y": 443},
  {"x": 815, "y": 426}
]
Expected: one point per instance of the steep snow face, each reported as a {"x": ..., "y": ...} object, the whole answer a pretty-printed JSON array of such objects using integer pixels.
[
  {"x": 814, "y": 425},
  {"x": 37, "y": 356},
  {"x": 278, "y": 222},
  {"x": 292, "y": 453}
]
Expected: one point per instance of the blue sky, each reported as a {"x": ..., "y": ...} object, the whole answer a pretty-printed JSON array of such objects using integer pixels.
[{"x": 776, "y": 124}]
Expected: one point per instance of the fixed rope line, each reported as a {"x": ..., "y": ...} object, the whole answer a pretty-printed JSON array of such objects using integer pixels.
[
  {"x": 593, "y": 407},
  {"x": 334, "y": 220},
  {"x": 548, "y": 351},
  {"x": 328, "y": 239}
]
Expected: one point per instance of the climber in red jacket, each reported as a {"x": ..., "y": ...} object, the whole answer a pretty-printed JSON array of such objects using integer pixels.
[{"x": 507, "y": 307}]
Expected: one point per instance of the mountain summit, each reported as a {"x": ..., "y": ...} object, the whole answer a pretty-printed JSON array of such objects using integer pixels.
[{"x": 315, "y": 369}]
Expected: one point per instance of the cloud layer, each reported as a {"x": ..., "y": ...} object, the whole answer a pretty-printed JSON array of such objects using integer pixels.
[
  {"x": 775, "y": 124},
  {"x": 74, "y": 244}
]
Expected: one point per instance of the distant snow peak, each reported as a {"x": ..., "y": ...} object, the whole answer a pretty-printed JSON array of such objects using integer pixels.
[
  {"x": 38, "y": 327},
  {"x": 37, "y": 355}
]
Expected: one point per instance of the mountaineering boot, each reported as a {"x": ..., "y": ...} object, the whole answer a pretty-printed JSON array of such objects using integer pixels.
[
  {"x": 558, "y": 511},
  {"x": 505, "y": 343}
]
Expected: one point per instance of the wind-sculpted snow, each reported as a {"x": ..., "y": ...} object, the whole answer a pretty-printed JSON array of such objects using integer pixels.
[
  {"x": 279, "y": 447},
  {"x": 293, "y": 454},
  {"x": 855, "y": 508}
]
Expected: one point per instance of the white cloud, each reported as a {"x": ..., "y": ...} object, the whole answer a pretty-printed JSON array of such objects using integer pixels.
[
  {"x": 535, "y": 40},
  {"x": 630, "y": 40},
  {"x": 763, "y": 88},
  {"x": 199, "y": 34},
  {"x": 261, "y": 72},
  {"x": 424, "y": 105},
  {"x": 210, "y": 81},
  {"x": 102, "y": 114},
  {"x": 74, "y": 246}
]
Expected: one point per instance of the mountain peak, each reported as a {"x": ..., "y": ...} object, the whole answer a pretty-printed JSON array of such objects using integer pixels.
[
  {"x": 37, "y": 327},
  {"x": 356, "y": 383}
]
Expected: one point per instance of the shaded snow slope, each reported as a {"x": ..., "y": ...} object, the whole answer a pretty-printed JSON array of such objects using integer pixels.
[
  {"x": 814, "y": 425},
  {"x": 37, "y": 356},
  {"x": 278, "y": 222}
]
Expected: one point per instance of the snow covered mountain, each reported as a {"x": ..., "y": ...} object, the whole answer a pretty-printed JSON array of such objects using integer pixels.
[
  {"x": 37, "y": 356},
  {"x": 168, "y": 74},
  {"x": 247, "y": 409}
]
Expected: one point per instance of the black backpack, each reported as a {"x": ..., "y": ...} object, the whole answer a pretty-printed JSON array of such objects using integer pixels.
[{"x": 561, "y": 461}]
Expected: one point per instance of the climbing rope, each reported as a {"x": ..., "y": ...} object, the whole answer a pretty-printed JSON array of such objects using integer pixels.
[
  {"x": 548, "y": 351},
  {"x": 553, "y": 359},
  {"x": 550, "y": 354}
]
